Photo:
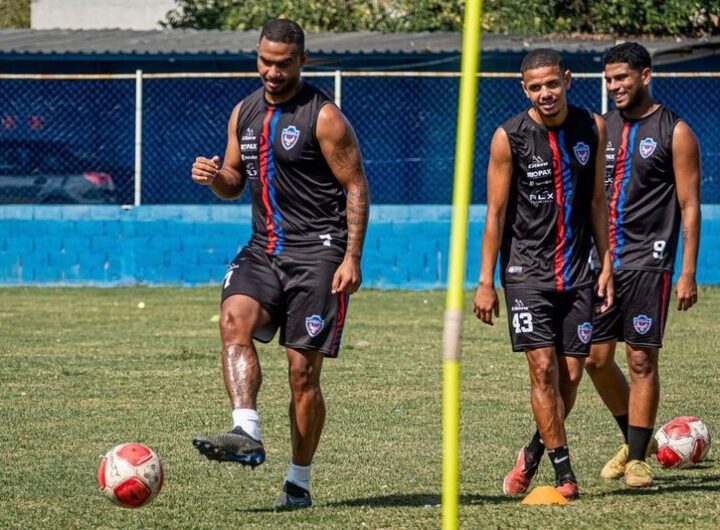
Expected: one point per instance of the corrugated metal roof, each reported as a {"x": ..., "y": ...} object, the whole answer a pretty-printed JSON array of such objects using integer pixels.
[{"x": 173, "y": 42}]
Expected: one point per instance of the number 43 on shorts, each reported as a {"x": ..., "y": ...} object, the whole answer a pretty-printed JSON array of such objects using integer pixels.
[{"x": 522, "y": 322}]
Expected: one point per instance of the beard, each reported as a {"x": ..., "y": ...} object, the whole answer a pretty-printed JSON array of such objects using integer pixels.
[
  {"x": 632, "y": 101},
  {"x": 283, "y": 87}
]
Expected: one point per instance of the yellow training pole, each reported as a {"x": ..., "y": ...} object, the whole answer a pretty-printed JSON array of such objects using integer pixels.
[{"x": 456, "y": 273}]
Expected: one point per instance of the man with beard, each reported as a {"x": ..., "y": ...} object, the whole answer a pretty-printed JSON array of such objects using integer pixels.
[
  {"x": 309, "y": 212},
  {"x": 545, "y": 203},
  {"x": 652, "y": 181}
]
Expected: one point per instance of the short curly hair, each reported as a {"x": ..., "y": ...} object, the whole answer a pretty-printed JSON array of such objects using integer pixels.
[
  {"x": 283, "y": 30},
  {"x": 632, "y": 53},
  {"x": 540, "y": 58}
]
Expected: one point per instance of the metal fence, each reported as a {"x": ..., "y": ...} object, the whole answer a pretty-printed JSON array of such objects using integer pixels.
[{"x": 61, "y": 136}]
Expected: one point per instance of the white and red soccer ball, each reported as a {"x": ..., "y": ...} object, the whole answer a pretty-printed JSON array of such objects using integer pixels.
[
  {"x": 682, "y": 442},
  {"x": 130, "y": 475}
]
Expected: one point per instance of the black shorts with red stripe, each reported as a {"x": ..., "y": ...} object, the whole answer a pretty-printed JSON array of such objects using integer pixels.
[
  {"x": 639, "y": 313},
  {"x": 295, "y": 289},
  {"x": 540, "y": 318}
]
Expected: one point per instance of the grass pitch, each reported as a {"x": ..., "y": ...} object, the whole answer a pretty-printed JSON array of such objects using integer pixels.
[{"x": 85, "y": 369}]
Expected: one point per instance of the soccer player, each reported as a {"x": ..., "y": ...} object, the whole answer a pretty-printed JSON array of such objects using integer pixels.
[
  {"x": 653, "y": 181},
  {"x": 545, "y": 204},
  {"x": 310, "y": 205}
]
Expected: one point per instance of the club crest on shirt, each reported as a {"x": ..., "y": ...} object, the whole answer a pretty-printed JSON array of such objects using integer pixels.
[
  {"x": 289, "y": 137},
  {"x": 642, "y": 324},
  {"x": 314, "y": 325},
  {"x": 582, "y": 152},
  {"x": 647, "y": 147},
  {"x": 584, "y": 332}
]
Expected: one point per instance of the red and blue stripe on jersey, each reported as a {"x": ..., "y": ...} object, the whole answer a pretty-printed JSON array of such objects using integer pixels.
[
  {"x": 275, "y": 235},
  {"x": 623, "y": 171},
  {"x": 562, "y": 179}
]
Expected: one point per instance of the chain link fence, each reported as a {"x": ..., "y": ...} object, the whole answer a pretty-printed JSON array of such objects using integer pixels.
[
  {"x": 128, "y": 139},
  {"x": 66, "y": 140}
]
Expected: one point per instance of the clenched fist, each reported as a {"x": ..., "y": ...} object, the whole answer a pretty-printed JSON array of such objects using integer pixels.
[{"x": 204, "y": 170}]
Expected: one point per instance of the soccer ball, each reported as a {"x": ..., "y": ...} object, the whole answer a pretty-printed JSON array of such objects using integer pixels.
[
  {"x": 682, "y": 442},
  {"x": 130, "y": 475}
]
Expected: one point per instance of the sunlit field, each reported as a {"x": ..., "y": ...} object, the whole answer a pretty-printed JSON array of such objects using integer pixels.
[{"x": 85, "y": 369}]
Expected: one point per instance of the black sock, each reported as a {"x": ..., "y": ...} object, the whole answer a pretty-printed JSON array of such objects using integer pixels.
[
  {"x": 560, "y": 458},
  {"x": 638, "y": 440},
  {"x": 622, "y": 422},
  {"x": 536, "y": 447}
]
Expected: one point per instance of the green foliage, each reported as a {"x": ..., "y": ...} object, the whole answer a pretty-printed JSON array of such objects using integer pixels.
[
  {"x": 319, "y": 15},
  {"x": 532, "y": 17},
  {"x": 14, "y": 13},
  {"x": 671, "y": 17}
]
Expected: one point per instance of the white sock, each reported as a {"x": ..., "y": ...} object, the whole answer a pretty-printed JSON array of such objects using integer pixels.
[
  {"x": 299, "y": 475},
  {"x": 248, "y": 420}
]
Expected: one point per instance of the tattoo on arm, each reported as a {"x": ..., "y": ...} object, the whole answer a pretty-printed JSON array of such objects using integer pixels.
[
  {"x": 357, "y": 217},
  {"x": 347, "y": 166}
]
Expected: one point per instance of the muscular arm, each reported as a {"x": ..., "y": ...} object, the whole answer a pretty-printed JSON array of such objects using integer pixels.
[
  {"x": 599, "y": 218},
  {"x": 340, "y": 148},
  {"x": 499, "y": 177},
  {"x": 686, "y": 165},
  {"x": 226, "y": 181}
]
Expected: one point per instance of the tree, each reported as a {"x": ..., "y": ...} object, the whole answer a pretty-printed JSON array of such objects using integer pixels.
[
  {"x": 15, "y": 14},
  {"x": 531, "y": 17},
  {"x": 320, "y": 15},
  {"x": 670, "y": 17}
]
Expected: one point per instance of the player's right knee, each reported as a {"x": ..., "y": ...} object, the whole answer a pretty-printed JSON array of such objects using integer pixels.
[
  {"x": 238, "y": 324},
  {"x": 573, "y": 379},
  {"x": 602, "y": 356},
  {"x": 641, "y": 367},
  {"x": 598, "y": 360},
  {"x": 543, "y": 372},
  {"x": 593, "y": 366}
]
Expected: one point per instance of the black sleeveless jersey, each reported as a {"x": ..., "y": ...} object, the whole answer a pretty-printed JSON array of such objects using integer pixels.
[
  {"x": 297, "y": 203},
  {"x": 640, "y": 186},
  {"x": 547, "y": 236}
]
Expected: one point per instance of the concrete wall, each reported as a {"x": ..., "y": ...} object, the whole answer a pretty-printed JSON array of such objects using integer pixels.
[
  {"x": 406, "y": 246},
  {"x": 98, "y": 14}
]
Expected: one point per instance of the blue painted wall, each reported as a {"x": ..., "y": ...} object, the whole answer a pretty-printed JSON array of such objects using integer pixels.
[{"x": 406, "y": 246}]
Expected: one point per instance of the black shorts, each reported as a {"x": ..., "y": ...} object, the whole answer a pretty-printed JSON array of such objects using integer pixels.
[
  {"x": 539, "y": 319},
  {"x": 296, "y": 292},
  {"x": 639, "y": 313}
]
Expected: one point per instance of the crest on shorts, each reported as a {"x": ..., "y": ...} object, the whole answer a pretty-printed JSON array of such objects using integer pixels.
[
  {"x": 289, "y": 137},
  {"x": 314, "y": 325},
  {"x": 647, "y": 147},
  {"x": 585, "y": 332},
  {"x": 642, "y": 324},
  {"x": 582, "y": 152}
]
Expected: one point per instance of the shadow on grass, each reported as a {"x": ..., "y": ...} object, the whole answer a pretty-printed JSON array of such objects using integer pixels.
[
  {"x": 418, "y": 500},
  {"x": 674, "y": 483}
]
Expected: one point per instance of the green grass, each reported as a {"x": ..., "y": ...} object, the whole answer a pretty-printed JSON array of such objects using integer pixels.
[{"x": 85, "y": 369}]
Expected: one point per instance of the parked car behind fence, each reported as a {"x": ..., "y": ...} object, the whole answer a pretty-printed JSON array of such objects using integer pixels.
[{"x": 40, "y": 171}]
